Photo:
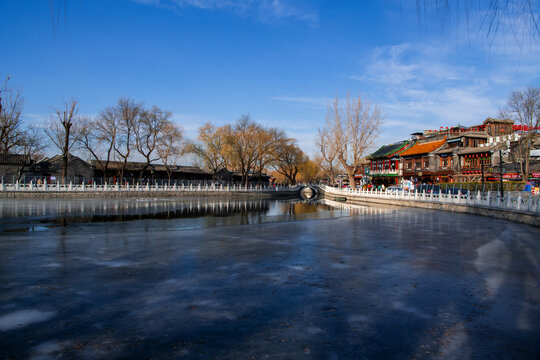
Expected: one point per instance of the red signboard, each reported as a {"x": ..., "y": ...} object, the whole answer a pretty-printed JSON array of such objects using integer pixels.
[{"x": 512, "y": 176}]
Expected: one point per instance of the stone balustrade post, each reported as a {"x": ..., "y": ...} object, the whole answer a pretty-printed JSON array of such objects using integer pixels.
[{"x": 518, "y": 205}]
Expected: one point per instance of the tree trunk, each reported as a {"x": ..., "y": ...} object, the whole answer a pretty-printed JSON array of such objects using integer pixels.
[
  {"x": 65, "y": 153},
  {"x": 64, "y": 167}
]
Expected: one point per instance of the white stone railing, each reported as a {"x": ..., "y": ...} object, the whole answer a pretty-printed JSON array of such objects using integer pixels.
[
  {"x": 520, "y": 201},
  {"x": 57, "y": 187}
]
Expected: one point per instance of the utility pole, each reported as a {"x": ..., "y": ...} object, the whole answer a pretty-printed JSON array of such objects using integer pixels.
[{"x": 501, "y": 173}]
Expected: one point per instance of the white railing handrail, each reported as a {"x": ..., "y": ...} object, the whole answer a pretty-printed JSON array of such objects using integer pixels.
[
  {"x": 190, "y": 187},
  {"x": 519, "y": 201}
]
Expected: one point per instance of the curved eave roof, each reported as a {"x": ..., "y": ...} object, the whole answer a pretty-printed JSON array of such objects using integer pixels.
[
  {"x": 423, "y": 148},
  {"x": 388, "y": 150}
]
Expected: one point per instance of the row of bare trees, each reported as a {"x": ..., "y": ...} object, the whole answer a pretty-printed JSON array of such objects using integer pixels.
[
  {"x": 119, "y": 133},
  {"x": 128, "y": 131},
  {"x": 249, "y": 148}
]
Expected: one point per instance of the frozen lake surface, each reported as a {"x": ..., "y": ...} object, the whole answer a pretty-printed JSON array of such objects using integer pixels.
[{"x": 261, "y": 279}]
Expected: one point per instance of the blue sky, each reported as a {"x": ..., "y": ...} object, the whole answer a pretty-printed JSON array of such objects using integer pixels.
[{"x": 282, "y": 61}]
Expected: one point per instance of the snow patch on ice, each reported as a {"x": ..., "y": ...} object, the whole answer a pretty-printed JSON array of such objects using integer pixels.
[
  {"x": 412, "y": 310},
  {"x": 296, "y": 267},
  {"x": 24, "y": 318},
  {"x": 353, "y": 319},
  {"x": 113, "y": 263},
  {"x": 46, "y": 351},
  {"x": 312, "y": 330}
]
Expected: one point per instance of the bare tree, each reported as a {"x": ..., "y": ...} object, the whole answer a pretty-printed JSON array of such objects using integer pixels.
[
  {"x": 63, "y": 132},
  {"x": 350, "y": 131},
  {"x": 211, "y": 146},
  {"x": 129, "y": 114},
  {"x": 30, "y": 146},
  {"x": 242, "y": 150},
  {"x": 267, "y": 142},
  {"x": 289, "y": 159},
  {"x": 524, "y": 108},
  {"x": 147, "y": 134},
  {"x": 2, "y": 89},
  {"x": 309, "y": 171},
  {"x": 106, "y": 130},
  {"x": 11, "y": 122},
  {"x": 171, "y": 146},
  {"x": 327, "y": 160}
]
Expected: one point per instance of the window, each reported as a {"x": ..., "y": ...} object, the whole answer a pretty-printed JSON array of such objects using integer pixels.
[{"x": 426, "y": 163}]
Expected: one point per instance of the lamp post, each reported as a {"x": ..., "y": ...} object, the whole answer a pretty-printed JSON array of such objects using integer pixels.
[{"x": 482, "y": 167}]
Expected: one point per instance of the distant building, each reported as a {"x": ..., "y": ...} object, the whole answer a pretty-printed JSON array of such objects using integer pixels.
[
  {"x": 133, "y": 169},
  {"x": 12, "y": 164},
  {"x": 51, "y": 168}
]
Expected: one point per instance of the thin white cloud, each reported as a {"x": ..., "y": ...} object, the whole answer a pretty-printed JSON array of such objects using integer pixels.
[
  {"x": 268, "y": 11},
  {"x": 312, "y": 102},
  {"x": 425, "y": 87}
]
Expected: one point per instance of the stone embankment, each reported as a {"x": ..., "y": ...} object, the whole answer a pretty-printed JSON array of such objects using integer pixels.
[{"x": 525, "y": 210}]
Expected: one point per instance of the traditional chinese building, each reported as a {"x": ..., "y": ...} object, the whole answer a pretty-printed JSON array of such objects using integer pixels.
[
  {"x": 420, "y": 164},
  {"x": 498, "y": 127},
  {"x": 385, "y": 163}
]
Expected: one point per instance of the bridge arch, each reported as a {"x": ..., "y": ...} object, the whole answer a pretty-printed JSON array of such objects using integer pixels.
[{"x": 309, "y": 192}]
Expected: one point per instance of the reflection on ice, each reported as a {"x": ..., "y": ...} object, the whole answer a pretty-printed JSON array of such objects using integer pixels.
[{"x": 38, "y": 215}]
